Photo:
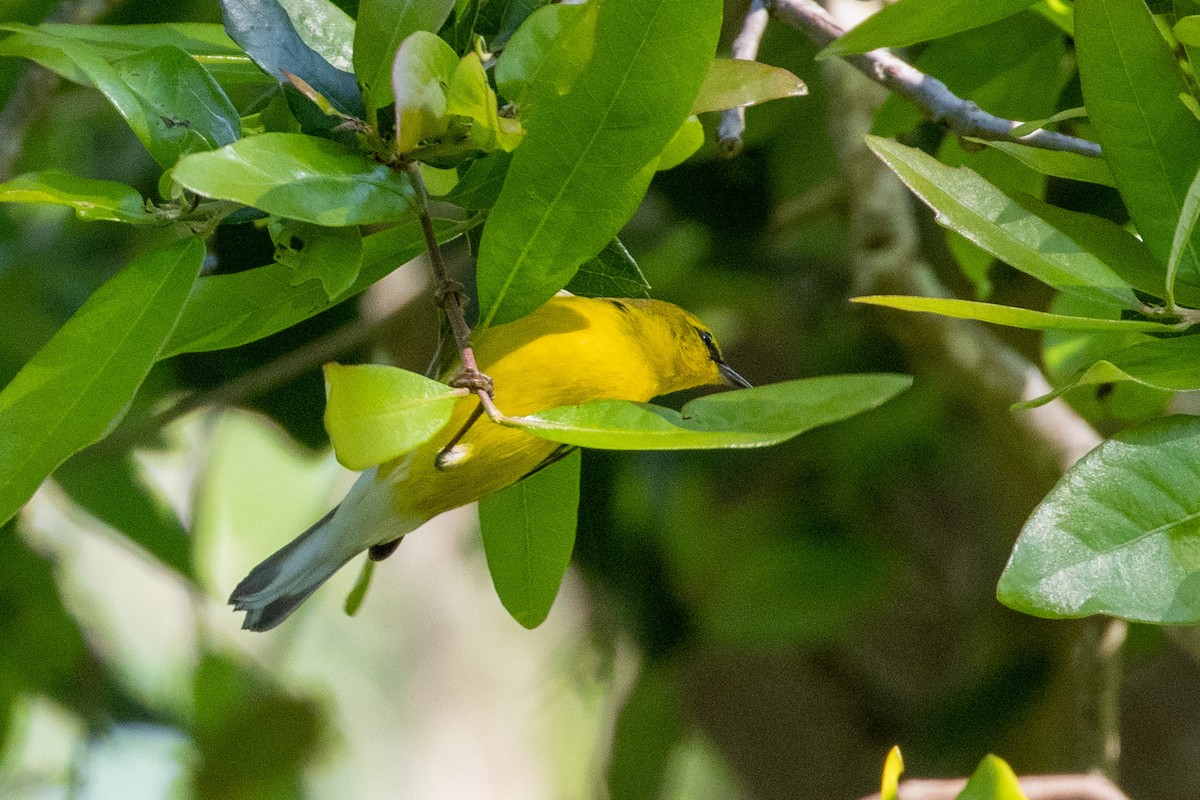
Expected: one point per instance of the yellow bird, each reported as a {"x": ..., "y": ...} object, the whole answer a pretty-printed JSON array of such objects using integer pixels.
[{"x": 569, "y": 351}]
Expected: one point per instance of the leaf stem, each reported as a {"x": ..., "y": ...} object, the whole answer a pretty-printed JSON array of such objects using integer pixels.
[{"x": 452, "y": 300}]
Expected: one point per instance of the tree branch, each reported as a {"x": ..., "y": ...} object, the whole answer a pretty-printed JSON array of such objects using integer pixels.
[
  {"x": 1035, "y": 787},
  {"x": 929, "y": 94},
  {"x": 745, "y": 48}
]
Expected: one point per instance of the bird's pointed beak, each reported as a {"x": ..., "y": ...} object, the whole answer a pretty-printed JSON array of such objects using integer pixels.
[{"x": 731, "y": 377}]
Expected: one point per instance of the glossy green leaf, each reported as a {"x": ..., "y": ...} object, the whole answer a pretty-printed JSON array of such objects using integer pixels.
[
  {"x": 910, "y": 21},
  {"x": 612, "y": 273},
  {"x": 192, "y": 109},
  {"x": 79, "y": 385},
  {"x": 547, "y": 53},
  {"x": 589, "y": 154},
  {"x": 755, "y": 417},
  {"x": 471, "y": 96},
  {"x": 1058, "y": 163},
  {"x": 1131, "y": 87},
  {"x": 969, "y": 205},
  {"x": 993, "y": 779},
  {"x": 325, "y": 28},
  {"x": 265, "y": 31},
  {"x": 528, "y": 534},
  {"x": 332, "y": 256},
  {"x": 893, "y": 767},
  {"x": 734, "y": 83},
  {"x": 91, "y": 199},
  {"x": 421, "y": 73},
  {"x": 1010, "y": 316},
  {"x": 206, "y": 42},
  {"x": 1187, "y": 30},
  {"x": 1026, "y": 128},
  {"x": 499, "y": 20},
  {"x": 382, "y": 26},
  {"x": 161, "y": 93},
  {"x": 1118, "y": 535},
  {"x": 375, "y": 413},
  {"x": 300, "y": 177},
  {"x": 231, "y": 310},
  {"x": 1168, "y": 364}
]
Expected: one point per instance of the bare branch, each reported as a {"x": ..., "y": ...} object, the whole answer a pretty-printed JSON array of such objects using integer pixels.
[
  {"x": 928, "y": 93},
  {"x": 1035, "y": 787},
  {"x": 745, "y": 48}
]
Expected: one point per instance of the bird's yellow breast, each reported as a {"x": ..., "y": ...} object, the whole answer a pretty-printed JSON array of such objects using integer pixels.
[{"x": 570, "y": 351}]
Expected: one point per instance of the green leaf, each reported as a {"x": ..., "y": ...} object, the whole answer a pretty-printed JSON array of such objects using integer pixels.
[
  {"x": 911, "y": 21},
  {"x": 231, "y": 310},
  {"x": 471, "y": 96},
  {"x": 686, "y": 141},
  {"x": 92, "y": 200},
  {"x": 1183, "y": 235},
  {"x": 206, "y": 42},
  {"x": 733, "y": 83},
  {"x": 354, "y": 600},
  {"x": 332, "y": 256},
  {"x": 1010, "y": 316},
  {"x": 265, "y": 31},
  {"x": 1026, "y": 128},
  {"x": 968, "y": 204},
  {"x": 375, "y": 413},
  {"x": 1131, "y": 87},
  {"x": 1118, "y": 534},
  {"x": 547, "y": 53},
  {"x": 382, "y": 26},
  {"x": 479, "y": 187},
  {"x": 993, "y": 779},
  {"x": 1058, "y": 163},
  {"x": 421, "y": 73},
  {"x": 192, "y": 108},
  {"x": 755, "y": 417},
  {"x": 612, "y": 273},
  {"x": 78, "y": 386},
  {"x": 589, "y": 154},
  {"x": 325, "y": 28},
  {"x": 1187, "y": 30},
  {"x": 528, "y": 533},
  {"x": 300, "y": 177},
  {"x": 161, "y": 93}
]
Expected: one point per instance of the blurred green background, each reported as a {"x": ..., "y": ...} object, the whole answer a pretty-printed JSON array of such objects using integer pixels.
[{"x": 760, "y": 624}]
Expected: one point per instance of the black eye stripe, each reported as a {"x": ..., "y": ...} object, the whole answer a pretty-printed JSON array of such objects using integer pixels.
[{"x": 713, "y": 352}]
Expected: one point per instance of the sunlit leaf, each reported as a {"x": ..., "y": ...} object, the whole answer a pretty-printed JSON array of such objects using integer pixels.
[
  {"x": 375, "y": 413},
  {"x": 547, "y": 53},
  {"x": 1119, "y": 534},
  {"x": 79, "y": 385},
  {"x": 588, "y": 156},
  {"x": 300, "y": 177},
  {"x": 993, "y": 779},
  {"x": 1008, "y": 315},
  {"x": 1026, "y": 128},
  {"x": 91, "y": 199},
  {"x": 325, "y": 28},
  {"x": 910, "y": 21},
  {"x": 686, "y": 141},
  {"x": 1131, "y": 85},
  {"x": 734, "y": 83},
  {"x": 968, "y": 204},
  {"x": 755, "y": 417},
  {"x": 1059, "y": 163},
  {"x": 421, "y": 73},
  {"x": 382, "y": 26},
  {"x": 528, "y": 534}
]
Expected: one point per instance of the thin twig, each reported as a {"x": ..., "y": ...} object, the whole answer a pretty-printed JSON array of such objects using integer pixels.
[
  {"x": 926, "y": 92},
  {"x": 452, "y": 300},
  {"x": 1035, "y": 787},
  {"x": 745, "y": 48},
  {"x": 1098, "y": 677}
]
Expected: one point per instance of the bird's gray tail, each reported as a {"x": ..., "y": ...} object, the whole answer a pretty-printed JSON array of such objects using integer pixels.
[{"x": 277, "y": 586}]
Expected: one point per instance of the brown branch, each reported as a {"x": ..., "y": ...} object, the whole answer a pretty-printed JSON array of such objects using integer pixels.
[
  {"x": 929, "y": 94},
  {"x": 1035, "y": 787}
]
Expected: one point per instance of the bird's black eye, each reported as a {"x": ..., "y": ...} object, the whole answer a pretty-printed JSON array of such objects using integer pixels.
[{"x": 707, "y": 338}]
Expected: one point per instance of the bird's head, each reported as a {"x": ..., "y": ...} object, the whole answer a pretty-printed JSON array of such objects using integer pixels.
[{"x": 682, "y": 347}]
